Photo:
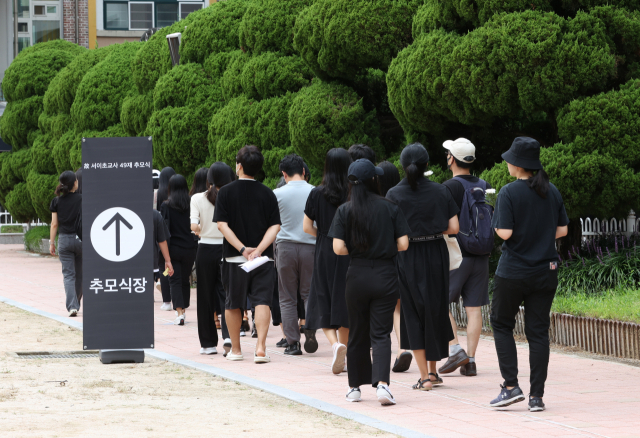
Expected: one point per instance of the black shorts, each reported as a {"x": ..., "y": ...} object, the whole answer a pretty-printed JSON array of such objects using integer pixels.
[
  {"x": 239, "y": 285},
  {"x": 470, "y": 281}
]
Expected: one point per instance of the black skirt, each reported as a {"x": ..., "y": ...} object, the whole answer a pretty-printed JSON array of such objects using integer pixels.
[
  {"x": 424, "y": 296},
  {"x": 327, "y": 307}
]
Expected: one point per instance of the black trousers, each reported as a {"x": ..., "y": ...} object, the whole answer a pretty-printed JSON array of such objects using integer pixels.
[
  {"x": 182, "y": 260},
  {"x": 210, "y": 294},
  {"x": 164, "y": 281},
  {"x": 371, "y": 293},
  {"x": 537, "y": 293}
]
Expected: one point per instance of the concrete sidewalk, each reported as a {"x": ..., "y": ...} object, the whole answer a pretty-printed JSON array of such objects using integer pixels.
[{"x": 584, "y": 397}]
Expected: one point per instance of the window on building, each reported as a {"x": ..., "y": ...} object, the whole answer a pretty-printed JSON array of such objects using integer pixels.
[
  {"x": 23, "y": 43},
  {"x": 51, "y": 9},
  {"x": 187, "y": 8},
  {"x": 140, "y": 16},
  {"x": 166, "y": 14},
  {"x": 23, "y": 27},
  {"x": 23, "y": 8},
  {"x": 44, "y": 30},
  {"x": 116, "y": 16},
  {"x": 39, "y": 11}
]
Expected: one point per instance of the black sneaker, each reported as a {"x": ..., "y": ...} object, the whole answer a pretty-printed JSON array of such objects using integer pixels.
[
  {"x": 536, "y": 404},
  {"x": 507, "y": 397},
  {"x": 282, "y": 343},
  {"x": 310, "y": 343},
  {"x": 293, "y": 349}
]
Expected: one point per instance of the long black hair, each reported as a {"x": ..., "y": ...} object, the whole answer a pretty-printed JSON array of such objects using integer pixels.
[
  {"x": 67, "y": 181},
  {"x": 218, "y": 176},
  {"x": 361, "y": 199},
  {"x": 390, "y": 179},
  {"x": 178, "y": 193},
  {"x": 199, "y": 181},
  {"x": 163, "y": 187},
  {"x": 79, "y": 178},
  {"x": 335, "y": 184},
  {"x": 539, "y": 182}
]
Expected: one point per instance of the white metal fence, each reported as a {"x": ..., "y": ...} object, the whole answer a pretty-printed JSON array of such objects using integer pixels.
[
  {"x": 596, "y": 227},
  {"x": 7, "y": 219}
]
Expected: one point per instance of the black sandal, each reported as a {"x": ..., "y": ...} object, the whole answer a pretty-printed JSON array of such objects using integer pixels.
[
  {"x": 420, "y": 385},
  {"x": 403, "y": 362},
  {"x": 438, "y": 380}
]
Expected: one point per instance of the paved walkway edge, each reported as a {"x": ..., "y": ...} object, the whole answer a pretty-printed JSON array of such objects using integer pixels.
[{"x": 273, "y": 389}]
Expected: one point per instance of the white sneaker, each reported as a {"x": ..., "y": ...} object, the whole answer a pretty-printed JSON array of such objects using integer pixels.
[
  {"x": 384, "y": 395},
  {"x": 73, "y": 312},
  {"x": 165, "y": 306},
  {"x": 242, "y": 333},
  {"x": 354, "y": 395},
  {"x": 210, "y": 350},
  {"x": 179, "y": 320},
  {"x": 226, "y": 346},
  {"x": 339, "y": 354}
]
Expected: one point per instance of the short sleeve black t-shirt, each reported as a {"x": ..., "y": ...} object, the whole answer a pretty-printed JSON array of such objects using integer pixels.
[
  {"x": 179, "y": 227},
  {"x": 531, "y": 248},
  {"x": 249, "y": 208},
  {"x": 320, "y": 210},
  {"x": 427, "y": 209},
  {"x": 68, "y": 208},
  {"x": 457, "y": 191},
  {"x": 387, "y": 224},
  {"x": 159, "y": 235}
]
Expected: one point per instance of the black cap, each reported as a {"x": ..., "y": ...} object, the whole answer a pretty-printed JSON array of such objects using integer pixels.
[
  {"x": 362, "y": 170},
  {"x": 524, "y": 152}
]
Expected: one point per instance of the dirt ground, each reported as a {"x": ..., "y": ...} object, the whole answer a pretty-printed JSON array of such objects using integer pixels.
[{"x": 153, "y": 399}]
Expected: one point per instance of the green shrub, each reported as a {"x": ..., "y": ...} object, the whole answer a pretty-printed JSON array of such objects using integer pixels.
[
  {"x": 216, "y": 64},
  {"x": 41, "y": 155},
  {"x": 61, "y": 45},
  {"x": 15, "y": 168},
  {"x": 135, "y": 114},
  {"x": 339, "y": 38},
  {"x": 271, "y": 74},
  {"x": 11, "y": 229},
  {"x": 267, "y": 25},
  {"x": 18, "y": 203},
  {"x": 19, "y": 119},
  {"x": 184, "y": 85},
  {"x": 33, "y": 237},
  {"x": 324, "y": 116},
  {"x": 75, "y": 155},
  {"x": 620, "y": 304},
  {"x": 30, "y": 74},
  {"x": 244, "y": 121},
  {"x": 210, "y": 30},
  {"x": 516, "y": 65},
  {"x": 61, "y": 150},
  {"x": 99, "y": 96},
  {"x": 231, "y": 79},
  {"x": 41, "y": 191}
]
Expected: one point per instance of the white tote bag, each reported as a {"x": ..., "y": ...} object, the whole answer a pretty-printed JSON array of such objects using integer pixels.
[{"x": 455, "y": 255}]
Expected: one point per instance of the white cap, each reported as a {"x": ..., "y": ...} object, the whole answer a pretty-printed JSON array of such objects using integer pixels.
[{"x": 462, "y": 149}]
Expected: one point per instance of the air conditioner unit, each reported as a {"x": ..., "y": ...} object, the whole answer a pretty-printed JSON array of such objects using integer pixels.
[{"x": 174, "y": 47}]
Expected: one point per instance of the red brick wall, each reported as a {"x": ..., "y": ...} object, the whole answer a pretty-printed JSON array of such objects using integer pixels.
[{"x": 69, "y": 31}]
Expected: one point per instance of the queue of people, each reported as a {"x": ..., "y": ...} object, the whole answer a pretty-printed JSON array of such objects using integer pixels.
[{"x": 359, "y": 256}]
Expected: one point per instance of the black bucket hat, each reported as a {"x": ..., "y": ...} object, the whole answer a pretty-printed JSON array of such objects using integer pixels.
[
  {"x": 524, "y": 152},
  {"x": 362, "y": 170}
]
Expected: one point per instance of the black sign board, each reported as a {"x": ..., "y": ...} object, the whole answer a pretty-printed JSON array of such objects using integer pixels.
[{"x": 117, "y": 243}]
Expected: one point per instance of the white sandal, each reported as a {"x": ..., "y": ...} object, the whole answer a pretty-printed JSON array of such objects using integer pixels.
[{"x": 261, "y": 359}]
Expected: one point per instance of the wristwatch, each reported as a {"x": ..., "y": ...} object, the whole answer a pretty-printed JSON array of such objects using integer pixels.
[{"x": 242, "y": 250}]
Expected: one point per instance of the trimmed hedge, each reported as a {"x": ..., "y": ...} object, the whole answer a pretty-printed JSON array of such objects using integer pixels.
[
  {"x": 271, "y": 74},
  {"x": 19, "y": 119},
  {"x": 41, "y": 192},
  {"x": 18, "y": 203},
  {"x": 327, "y": 115}
]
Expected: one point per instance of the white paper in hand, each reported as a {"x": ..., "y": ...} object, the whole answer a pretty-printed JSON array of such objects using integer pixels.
[{"x": 253, "y": 264}]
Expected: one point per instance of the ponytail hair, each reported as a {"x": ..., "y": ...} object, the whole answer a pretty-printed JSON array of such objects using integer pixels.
[
  {"x": 218, "y": 176},
  {"x": 67, "y": 181},
  {"x": 539, "y": 182},
  {"x": 414, "y": 159}
]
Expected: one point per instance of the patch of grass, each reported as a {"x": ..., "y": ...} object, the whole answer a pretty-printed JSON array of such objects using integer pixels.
[
  {"x": 34, "y": 236},
  {"x": 11, "y": 229},
  {"x": 617, "y": 304}
]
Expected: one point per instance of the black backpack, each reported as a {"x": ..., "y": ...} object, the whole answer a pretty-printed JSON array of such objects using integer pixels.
[{"x": 475, "y": 235}]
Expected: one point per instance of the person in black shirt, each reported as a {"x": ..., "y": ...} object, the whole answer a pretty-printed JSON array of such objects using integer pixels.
[
  {"x": 248, "y": 216},
  {"x": 327, "y": 308},
  {"x": 65, "y": 209},
  {"x": 182, "y": 244},
  {"x": 161, "y": 195},
  {"x": 424, "y": 268},
  {"x": 372, "y": 231},
  {"x": 471, "y": 280},
  {"x": 529, "y": 217}
]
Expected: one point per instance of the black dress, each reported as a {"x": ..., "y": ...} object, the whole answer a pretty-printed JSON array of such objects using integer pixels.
[
  {"x": 424, "y": 268},
  {"x": 327, "y": 307}
]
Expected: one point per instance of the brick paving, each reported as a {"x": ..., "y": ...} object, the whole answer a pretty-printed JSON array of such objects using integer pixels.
[{"x": 584, "y": 397}]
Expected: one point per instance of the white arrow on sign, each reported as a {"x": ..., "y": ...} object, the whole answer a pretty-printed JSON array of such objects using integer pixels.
[{"x": 117, "y": 234}]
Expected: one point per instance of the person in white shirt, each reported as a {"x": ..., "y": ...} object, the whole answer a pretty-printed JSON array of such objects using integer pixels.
[{"x": 210, "y": 292}]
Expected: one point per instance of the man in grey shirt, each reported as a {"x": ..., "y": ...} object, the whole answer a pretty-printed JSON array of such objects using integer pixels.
[{"x": 295, "y": 252}]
